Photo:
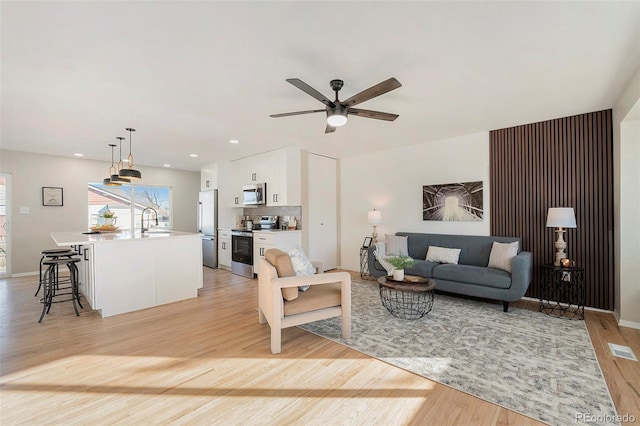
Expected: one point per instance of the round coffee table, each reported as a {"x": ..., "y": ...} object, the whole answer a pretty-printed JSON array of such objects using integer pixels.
[{"x": 409, "y": 299}]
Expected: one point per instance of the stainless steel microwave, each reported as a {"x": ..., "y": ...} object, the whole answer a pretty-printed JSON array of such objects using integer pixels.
[{"x": 254, "y": 194}]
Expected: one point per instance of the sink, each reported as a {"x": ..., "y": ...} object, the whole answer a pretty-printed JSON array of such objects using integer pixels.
[{"x": 158, "y": 231}]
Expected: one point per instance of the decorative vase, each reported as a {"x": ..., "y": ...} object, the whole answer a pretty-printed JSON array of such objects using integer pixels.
[{"x": 398, "y": 274}]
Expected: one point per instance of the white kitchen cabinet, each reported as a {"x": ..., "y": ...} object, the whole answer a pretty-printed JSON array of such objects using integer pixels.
[
  {"x": 283, "y": 177},
  {"x": 244, "y": 172},
  {"x": 224, "y": 249},
  {"x": 208, "y": 177},
  {"x": 86, "y": 273},
  {"x": 265, "y": 240}
]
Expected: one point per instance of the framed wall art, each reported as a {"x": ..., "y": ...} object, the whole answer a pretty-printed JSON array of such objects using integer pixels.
[
  {"x": 52, "y": 196},
  {"x": 453, "y": 202}
]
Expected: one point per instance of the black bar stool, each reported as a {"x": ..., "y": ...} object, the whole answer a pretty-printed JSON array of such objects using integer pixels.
[
  {"x": 52, "y": 288},
  {"x": 53, "y": 254}
]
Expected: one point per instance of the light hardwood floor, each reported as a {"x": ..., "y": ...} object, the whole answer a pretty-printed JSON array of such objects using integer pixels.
[{"x": 207, "y": 361}]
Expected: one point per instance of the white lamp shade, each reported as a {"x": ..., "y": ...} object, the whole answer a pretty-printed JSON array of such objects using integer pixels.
[
  {"x": 561, "y": 217},
  {"x": 374, "y": 217}
]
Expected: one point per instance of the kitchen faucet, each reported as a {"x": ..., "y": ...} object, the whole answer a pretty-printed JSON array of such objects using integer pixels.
[{"x": 142, "y": 228}]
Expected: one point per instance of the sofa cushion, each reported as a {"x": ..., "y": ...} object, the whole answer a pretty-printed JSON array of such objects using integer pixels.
[
  {"x": 317, "y": 297},
  {"x": 282, "y": 262},
  {"x": 395, "y": 246},
  {"x": 475, "y": 249},
  {"x": 442, "y": 255},
  {"x": 502, "y": 254},
  {"x": 473, "y": 275},
  {"x": 422, "y": 268}
]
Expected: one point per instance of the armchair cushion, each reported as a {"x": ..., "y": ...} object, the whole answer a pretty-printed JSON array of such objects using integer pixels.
[
  {"x": 282, "y": 262},
  {"x": 317, "y": 297}
]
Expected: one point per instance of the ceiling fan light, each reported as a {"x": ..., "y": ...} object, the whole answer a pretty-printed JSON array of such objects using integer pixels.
[{"x": 336, "y": 118}]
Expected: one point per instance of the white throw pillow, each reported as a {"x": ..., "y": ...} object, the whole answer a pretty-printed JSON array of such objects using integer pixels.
[
  {"x": 396, "y": 245},
  {"x": 443, "y": 255},
  {"x": 301, "y": 264},
  {"x": 502, "y": 254}
]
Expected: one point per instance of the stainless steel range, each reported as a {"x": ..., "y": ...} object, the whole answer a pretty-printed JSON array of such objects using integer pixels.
[
  {"x": 242, "y": 244},
  {"x": 242, "y": 252}
]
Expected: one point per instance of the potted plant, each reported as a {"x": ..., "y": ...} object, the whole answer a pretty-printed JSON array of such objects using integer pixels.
[
  {"x": 399, "y": 264},
  {"x": 109, "y": 218}
]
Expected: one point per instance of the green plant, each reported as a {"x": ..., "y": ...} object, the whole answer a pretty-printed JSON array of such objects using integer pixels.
[
  {"x": 108, "y": 215},
  {"x": 400, "y": 262}
]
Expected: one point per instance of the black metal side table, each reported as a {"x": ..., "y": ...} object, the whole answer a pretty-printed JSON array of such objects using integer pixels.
[
  {"x": 364, "y": 264},
  {"x": 562, "y": 291}
]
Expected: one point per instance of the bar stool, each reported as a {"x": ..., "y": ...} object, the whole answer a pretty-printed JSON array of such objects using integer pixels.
[
  {"x": 51, "y": 286},
  {"x": 53, "y": 254}
]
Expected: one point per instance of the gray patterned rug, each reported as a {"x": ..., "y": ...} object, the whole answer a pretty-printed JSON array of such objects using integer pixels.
[{"x": 537, "y": 365}]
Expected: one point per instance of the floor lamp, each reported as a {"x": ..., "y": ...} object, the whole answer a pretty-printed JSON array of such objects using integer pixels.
[
  {"x": 375, "y": 218},
  {"x": 561, "y": 217}
]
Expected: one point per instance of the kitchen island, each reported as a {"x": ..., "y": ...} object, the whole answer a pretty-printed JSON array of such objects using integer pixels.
[{"x": 127, "y": 271}]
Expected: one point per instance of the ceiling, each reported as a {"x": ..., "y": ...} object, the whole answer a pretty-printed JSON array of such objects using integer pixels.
[{"x": 190, "y": 76}]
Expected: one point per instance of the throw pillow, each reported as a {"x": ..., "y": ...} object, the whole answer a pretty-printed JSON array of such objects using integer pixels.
[
  {"x": 396, "y": 245},
  {"x": 443, "y": 255},
  {"x": 301, "y": 264},
  {"x": 502, "y": 254}
]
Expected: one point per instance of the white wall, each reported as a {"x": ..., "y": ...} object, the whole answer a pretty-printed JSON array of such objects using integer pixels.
[
  {"x": 30, "y": 172},
  {"x": 391, "y": 181},
  {"x": 626, "y": 143}
]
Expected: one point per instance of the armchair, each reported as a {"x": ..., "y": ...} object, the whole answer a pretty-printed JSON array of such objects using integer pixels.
[{"x": 329, "y": 295}]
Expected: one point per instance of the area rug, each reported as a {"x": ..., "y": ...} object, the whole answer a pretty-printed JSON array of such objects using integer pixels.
[{"x": 540, "y": 366}]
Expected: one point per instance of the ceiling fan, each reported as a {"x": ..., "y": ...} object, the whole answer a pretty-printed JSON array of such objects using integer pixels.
[{"x": 337, "y": 111}]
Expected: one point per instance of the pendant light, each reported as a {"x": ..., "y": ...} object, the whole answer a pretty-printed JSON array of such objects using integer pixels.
[
  {"x": 115, "y": 178},
  {"x": 112, "y": 171},
  {"x": 130, "y": 173}
]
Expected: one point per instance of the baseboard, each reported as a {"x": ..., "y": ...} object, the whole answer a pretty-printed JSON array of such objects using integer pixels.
[
  {"x": 629, "y": 324},
  {"x": 24, "y": 274}
]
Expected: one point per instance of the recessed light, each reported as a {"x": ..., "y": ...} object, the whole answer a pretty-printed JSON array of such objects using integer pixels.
[
  {"x": 167, "y": 165},
  {"x": 193, "y": 155},
  {"x": 234, "y": 141},
  {"x": 78, "y": 155}
]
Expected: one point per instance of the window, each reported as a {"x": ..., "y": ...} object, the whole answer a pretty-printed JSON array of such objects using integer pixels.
[{"x": 128, "y": 203}]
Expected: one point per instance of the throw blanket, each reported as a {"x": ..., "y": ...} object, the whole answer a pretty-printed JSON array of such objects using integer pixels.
[{"x": 379, "y": 254}]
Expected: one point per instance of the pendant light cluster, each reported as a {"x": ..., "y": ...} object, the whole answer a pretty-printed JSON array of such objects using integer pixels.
[{"x": 122, "y": 175}]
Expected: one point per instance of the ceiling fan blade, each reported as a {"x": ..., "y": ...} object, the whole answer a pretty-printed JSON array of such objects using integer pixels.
[
  {"x": 287, "y": 114},
  {"x": 310, "y": 91},
  {"x": 373, "y": 114},
  {"x": 329, "y": 129},
  {"x": 372, "y": 92}
]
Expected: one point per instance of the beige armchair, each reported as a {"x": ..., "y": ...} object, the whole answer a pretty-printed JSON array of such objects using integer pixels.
[{"x": 281, "y": 304}]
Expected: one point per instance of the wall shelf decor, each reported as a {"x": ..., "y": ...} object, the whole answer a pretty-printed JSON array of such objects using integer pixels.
[{"x": 52, "y": 196}]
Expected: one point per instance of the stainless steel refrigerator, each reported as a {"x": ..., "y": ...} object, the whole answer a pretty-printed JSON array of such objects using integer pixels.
[{"x": 208, "y": 227}]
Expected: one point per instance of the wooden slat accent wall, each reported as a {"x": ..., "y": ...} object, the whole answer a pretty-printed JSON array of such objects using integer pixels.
[{"x": 567, "y": 162}]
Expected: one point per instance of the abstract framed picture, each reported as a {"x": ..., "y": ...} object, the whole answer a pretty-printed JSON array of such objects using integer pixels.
[
  {"x": 458, "y": 202},
  {"x": 52, "y": 196}
]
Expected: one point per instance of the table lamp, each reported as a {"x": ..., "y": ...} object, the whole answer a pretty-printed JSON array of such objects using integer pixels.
[
  {"x": 561, "y": 217},
  {"x": 375, "y": 218}
]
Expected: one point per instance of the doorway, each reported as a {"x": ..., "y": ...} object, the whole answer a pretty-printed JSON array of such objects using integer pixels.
[{"x": 5, "y": 225}]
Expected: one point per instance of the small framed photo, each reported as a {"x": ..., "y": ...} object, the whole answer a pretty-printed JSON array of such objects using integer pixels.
[
  {"x": 367, "y": 242},
  {"x": 52, "y": 196}
]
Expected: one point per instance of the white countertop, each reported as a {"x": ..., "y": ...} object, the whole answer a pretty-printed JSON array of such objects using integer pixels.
[
  {"x": 275, "y": 230},
  {"x": 77, "y": 238}
]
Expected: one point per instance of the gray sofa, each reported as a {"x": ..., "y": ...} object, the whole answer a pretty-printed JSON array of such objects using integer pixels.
[{"x": 470, "y": 276}]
